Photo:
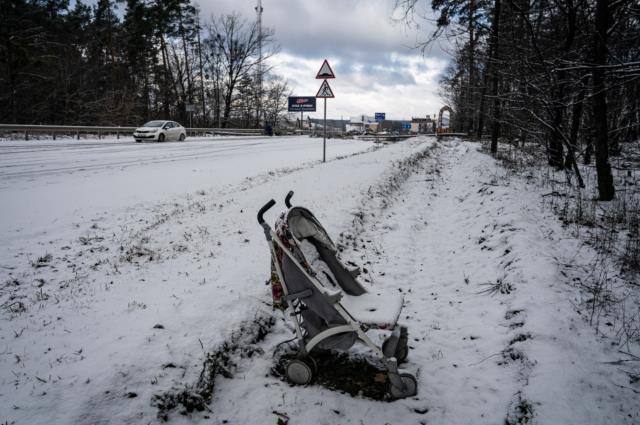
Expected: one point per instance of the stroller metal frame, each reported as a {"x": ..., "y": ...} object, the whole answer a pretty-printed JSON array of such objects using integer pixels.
[{"x": 401, "y": 384}]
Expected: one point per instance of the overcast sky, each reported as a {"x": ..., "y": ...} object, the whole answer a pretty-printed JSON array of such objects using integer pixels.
[{"x": 376, "y": 65}]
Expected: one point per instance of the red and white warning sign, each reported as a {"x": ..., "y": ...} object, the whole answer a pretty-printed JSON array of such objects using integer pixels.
[
  {"x": 325, "y": 71},
  {"x": 325, "y": 90}
]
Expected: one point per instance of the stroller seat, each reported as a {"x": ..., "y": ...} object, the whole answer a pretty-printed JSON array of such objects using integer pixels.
[{"x": 379, "y": 311}]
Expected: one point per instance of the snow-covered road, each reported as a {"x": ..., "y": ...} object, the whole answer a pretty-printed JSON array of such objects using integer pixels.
[
  {"x": 124, "y": 306},
  {"x": 46, "y": 186},
  {"x": 88, "y": 294}
]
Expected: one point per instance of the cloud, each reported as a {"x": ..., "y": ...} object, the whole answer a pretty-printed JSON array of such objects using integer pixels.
[
  {"x": 352, "y": 28},
  {"x": 377, "y": 65},
  {"x": 413, "y": 94}
]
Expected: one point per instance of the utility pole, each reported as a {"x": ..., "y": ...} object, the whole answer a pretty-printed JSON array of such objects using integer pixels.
[
  {"x": 204, "y": 107},
  {"x": 259, "y": 69}
]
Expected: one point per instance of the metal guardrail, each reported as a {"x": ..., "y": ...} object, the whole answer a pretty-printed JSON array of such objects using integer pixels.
[
  {"x": 100, "y": 130},
  {"x": 443, "y": 134},
  {"x": 385, "y": 137}
]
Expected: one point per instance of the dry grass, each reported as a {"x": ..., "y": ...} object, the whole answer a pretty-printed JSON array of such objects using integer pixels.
[{"x": 609, "y": 283}]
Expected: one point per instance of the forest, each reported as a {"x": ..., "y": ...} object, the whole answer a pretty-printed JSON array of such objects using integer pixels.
[
  {"x": 560, "y": 74},
  {"x": 127, "y": 61}
]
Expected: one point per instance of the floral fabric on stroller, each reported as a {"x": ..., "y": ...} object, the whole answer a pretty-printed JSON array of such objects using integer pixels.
[{"x": 330, "y": 309}]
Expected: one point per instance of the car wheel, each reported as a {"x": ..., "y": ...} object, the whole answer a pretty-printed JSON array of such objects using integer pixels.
[
  {"x": 161, "y": 138},
  {"x": 182, "y": 137}
]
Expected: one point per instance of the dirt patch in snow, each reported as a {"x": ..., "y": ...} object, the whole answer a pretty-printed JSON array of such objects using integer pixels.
[
  {"x": 223, "y": 361},
  {"x": 351, "y": 374}
]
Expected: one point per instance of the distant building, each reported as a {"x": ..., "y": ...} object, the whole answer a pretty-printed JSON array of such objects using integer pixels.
[
  {"x": 391, "y": 126},
  {"x": 422, "y": 125},
  {"x": 361, "y": 124},
  {"x": 332, "y": 125}
]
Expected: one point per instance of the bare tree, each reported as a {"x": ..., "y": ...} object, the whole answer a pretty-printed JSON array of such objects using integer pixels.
[
  {"x": 275, "y": 100},
  {"x": 236, "y": 43},
  {"x": 563, "y": 74}
]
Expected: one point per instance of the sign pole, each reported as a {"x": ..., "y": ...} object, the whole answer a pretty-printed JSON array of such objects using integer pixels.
[
  {"x": 325, "y": 91},
  {"x": 301, "y": 119},
  {"x": 324, "y": 139}
]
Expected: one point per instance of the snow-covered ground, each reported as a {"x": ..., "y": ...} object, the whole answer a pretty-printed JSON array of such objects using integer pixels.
[{"x": 136, "y": 262}]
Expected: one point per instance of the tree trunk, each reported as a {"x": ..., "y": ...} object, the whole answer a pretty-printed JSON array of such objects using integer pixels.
[
  {"x": 555, "y": 143},
  {"x": 495, "y": 81},
  {"x": 635, "y": 115},
  {"x": 165, "y": 86},
  {"x": 576, "y": 117},
  {"x": 227, "y": 107},
  {"x": 573, "y": 137},
  {"x": 202, "y": 100},
  {"x": 483, "y": 101},
  {"x": 606, "y": 190},
  {"x": 12, "y": 83},
  {"x": 189, "y": 94},
  {"x": 471, "y": 101}
]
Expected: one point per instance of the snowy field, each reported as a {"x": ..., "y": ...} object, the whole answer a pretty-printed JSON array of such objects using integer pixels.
[{"x": 123, "y": 265}]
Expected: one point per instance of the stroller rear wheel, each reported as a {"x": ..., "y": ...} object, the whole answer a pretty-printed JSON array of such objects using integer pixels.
[
  {"x": 409, "y": 387},
  {"x": 299, "y": 372}
]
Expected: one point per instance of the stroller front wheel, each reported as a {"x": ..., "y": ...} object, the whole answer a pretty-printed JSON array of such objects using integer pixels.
[{"x": 299, "y": 372}]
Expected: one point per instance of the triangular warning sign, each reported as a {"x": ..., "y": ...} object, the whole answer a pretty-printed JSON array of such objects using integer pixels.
[
  {"x": 325, "y": 91},
  {"x": 325, "y": 71}
]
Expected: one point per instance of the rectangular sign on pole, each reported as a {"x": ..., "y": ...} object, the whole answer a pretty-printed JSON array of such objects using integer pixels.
[
  {"x": 302, "y": 104},
  {"x": 380, "y": 116}
]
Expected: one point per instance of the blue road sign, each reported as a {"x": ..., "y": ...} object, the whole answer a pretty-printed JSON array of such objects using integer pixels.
[
  {"x": 406, "y": 126},
  {"x": 380, "y": 116},
  {"x": 302, "y": 104}
]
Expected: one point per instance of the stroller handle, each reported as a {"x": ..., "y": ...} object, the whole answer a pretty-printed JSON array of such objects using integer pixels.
[
  {"x": 264, "y": 209},
  {"x": 287, "y": 200}
]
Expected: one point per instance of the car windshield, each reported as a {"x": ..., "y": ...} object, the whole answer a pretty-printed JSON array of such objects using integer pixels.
[{"x": 154, "y": 124}]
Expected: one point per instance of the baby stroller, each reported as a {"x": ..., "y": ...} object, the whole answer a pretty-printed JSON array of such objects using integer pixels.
[{"x": 329, "y": 307}]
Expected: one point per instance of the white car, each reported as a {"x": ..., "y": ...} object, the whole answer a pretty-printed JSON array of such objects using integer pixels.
[{"x": 160, "y": 131}]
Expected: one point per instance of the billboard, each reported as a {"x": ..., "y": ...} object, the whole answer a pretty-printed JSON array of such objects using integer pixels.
[{"x": 302, "y": 104}]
